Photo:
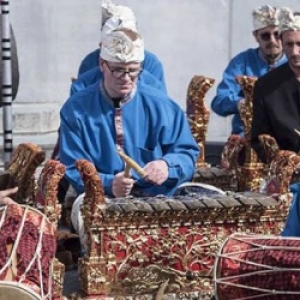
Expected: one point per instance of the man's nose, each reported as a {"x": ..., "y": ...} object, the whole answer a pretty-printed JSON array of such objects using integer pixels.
[
  {"x": 273, "y": 38},
  {"x": 295, "y": 50},
  {"x": 126, "y": 76}
]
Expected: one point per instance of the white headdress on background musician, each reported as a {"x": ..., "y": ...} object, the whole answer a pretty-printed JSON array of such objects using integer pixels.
[
  {"x": 287, "y": 20},
  {"x": 264, "y": 16},
  {"x": 116, "y": 16},
  {"x": 122, "y": 45}
]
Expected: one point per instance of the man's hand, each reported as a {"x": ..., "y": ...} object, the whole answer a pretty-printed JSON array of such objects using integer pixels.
[
  {"x": 4, "y": 196},
  {"x": 157, "y": 172},
  {"x": 122, "y": 185}
]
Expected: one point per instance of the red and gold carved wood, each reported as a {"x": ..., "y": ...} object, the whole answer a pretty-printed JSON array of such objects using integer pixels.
[
  {"x": 198, "y": 113},
  {"x": 282, "y": 173},
  {"x": 140, "y": 246},
  {"x": 270, "y": 147},
  {"x": 226, "y": 176},
  {"x": 23, "y": 164},
  {"x": 46, "y": 201},
  {"x": 230, "y": 158},
  {"x": 252, "y": 171},
  {"x": 47, "y": 187}
]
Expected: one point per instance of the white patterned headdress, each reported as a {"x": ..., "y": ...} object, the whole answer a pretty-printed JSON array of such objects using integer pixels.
[
  {"x": 264, "y": 16},
  {"x": 287, "y": 20},
  {"x": 122, "y": 45},
  {"x": 116, "y": 16}
]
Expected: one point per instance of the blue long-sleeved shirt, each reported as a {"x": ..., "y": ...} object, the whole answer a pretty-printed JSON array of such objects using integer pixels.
[
  {"x": 151, "y": 63},
  {"x": 154, "y": 128},
  {"x": 95, "y": 75},
  {"x": 248, "y": 63}
]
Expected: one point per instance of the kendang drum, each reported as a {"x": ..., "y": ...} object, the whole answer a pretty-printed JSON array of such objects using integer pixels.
[
  {"x": 258, "y": 267},
  {"x": 27, "y": 249}
]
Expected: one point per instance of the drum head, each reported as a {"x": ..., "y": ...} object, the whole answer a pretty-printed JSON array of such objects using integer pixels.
[{"x": 12, "y": 291}]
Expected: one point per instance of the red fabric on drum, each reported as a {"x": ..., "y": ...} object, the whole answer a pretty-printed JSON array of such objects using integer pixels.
[
  {"x": 259, "y": 257},
  {"x": 26, "y": 249}
]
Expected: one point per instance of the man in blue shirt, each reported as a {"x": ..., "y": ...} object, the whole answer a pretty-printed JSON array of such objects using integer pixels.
[
  {"x": 118, "y": 114},
  {"x": 253, "y": 62},
  {"x": 113, "y": 17}
]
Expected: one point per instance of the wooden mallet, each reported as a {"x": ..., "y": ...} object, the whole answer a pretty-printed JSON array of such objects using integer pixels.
[{"x": 131, "y": 164}]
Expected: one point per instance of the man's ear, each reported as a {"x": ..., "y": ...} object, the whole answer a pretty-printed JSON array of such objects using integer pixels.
[{"x": 101, "y": 62}]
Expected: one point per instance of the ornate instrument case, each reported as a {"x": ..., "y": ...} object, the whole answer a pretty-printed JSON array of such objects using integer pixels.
[{"x": 146, "y": 247}]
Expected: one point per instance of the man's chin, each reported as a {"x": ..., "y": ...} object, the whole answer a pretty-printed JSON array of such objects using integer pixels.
[
  {"x": 124, "y": 92},
  {"x": 295, "y": 64},
  {"x": 273, "y": 55}
]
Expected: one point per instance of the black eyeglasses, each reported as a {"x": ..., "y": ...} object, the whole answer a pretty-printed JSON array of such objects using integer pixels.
[
  {"x": 266, "y": 36},
  {"x": 120, "y": 73}
]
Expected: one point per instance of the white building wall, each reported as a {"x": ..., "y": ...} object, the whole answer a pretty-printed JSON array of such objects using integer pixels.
[{"x": 190, "y": 37}]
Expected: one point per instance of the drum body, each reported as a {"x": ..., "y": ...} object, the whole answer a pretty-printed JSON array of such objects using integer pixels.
[
  {"x": 27, "y": 249},
  {"x": 12, "y": 291},
  {"x": 258, "y": 267}
]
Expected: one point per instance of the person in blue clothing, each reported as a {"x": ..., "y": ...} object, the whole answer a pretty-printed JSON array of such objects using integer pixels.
[
  {"x": 93, "y": 76},
  {"x": 119, "y": 114},
  {"x": 116, "y": 16},
  {"x": 113, "y": 17},
  {"x": 229, "y": 99}
]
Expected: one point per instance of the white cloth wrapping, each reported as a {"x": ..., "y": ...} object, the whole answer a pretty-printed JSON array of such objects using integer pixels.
[
  {"x": 77, "y": 222},
  {"x": 115, "y": 23},
  {"x": 120, "y": 12},
  {"x": 287, "y": 20},
  {"x": 264, "y": 16},
  {"x": 119, "y": 47}
]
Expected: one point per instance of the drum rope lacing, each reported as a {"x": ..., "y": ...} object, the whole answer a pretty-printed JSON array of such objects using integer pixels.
[
  {"x": 36, "y": 257},
  {"x": 271, "y": 269}
]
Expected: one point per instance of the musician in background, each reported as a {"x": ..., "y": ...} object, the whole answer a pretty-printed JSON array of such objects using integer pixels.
[
  {"x": 276, "y": 106},
  {"x": 229, "y": 99},
  {"x": 276, "y": 95},
  {"x": 118, "y": 16}
]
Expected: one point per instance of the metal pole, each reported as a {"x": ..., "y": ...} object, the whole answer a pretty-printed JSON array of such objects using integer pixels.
[{"x": 6, "y": 83}]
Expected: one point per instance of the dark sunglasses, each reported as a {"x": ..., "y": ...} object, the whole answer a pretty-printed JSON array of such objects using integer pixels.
[{"x": 266, "y": 36}]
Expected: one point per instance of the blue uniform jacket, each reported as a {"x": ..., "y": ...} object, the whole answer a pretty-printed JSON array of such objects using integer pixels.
[{"x": 248, "y": 63}]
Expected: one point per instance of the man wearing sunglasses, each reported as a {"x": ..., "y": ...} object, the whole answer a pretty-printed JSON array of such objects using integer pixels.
[
  {"x": 119, "y": 114},
  {"x": 276, "y": 106},
  {"x": 229, "y": 99},
  {"x": 276, "y": 95}
]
